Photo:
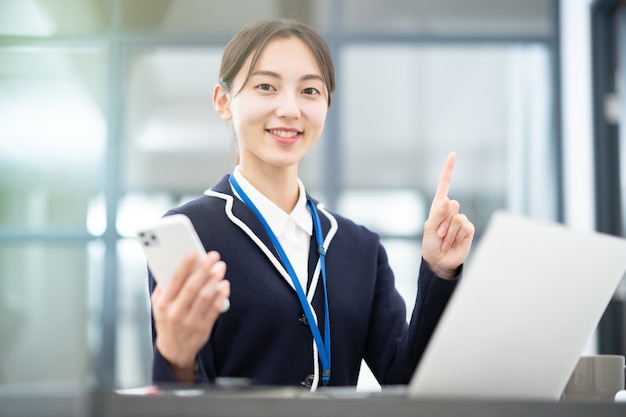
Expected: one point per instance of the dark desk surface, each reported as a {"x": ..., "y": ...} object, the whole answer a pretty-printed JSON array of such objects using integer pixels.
[{"x": 274, "y": 404}]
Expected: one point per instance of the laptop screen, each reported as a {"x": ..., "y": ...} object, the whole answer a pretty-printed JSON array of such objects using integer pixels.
[{"x": 531, "y": 297}]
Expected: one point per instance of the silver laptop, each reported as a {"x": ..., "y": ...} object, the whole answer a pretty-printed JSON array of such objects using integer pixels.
[{"x": 530, "y": 299}]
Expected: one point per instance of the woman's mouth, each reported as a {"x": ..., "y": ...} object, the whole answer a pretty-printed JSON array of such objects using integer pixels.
[{"x": 285, "y": 136}]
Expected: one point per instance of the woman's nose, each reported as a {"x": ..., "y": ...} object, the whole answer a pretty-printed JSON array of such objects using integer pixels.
[{"x": 287, "y": 106}]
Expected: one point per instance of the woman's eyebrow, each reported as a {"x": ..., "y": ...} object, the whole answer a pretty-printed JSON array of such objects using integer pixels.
[
  {"x": 266, "y": 73},
  {"x": 312, "y": 77},
  {"x": 276, "y": 75}
]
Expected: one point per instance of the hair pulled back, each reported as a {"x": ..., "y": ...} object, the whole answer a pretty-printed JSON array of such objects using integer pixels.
[{"x": 252, "y": 40}]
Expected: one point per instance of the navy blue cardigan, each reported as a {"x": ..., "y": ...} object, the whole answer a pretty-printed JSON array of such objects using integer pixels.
[{"x": 262, "y": 336}]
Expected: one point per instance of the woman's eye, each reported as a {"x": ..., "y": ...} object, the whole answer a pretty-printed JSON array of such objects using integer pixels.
[
  {"x": 265, "y": 87},
  {"x": 311, "y": 91}
]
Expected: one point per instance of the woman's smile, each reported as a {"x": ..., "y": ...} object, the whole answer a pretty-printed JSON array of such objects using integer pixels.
[{"x": 285, "y": 136}]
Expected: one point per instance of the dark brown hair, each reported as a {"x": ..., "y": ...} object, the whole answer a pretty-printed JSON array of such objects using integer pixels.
[{"x": 252, "y": 40}]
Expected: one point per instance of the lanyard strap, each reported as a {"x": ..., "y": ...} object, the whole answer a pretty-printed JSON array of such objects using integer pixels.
[{"x": 322, "y": 346}]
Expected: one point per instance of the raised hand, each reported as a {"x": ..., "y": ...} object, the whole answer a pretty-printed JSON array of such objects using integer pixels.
[
  {"x": 448, "y": 234},
  {"x": 186, "y": 310}
]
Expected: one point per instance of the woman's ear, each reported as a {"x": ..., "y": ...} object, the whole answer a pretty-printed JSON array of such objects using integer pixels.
[{"x": 221, "y": 102}]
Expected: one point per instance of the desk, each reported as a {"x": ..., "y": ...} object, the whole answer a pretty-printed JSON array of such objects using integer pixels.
[{"x": 214, "y": 404}]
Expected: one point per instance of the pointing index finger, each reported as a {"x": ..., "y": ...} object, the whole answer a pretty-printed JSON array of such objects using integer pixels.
[{"x": 445, "y": 178}]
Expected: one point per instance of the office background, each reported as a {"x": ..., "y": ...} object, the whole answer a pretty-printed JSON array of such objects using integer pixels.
[{"x": 106, "y": 121}]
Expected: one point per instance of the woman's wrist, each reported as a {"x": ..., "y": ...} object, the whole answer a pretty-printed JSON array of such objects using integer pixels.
[
  {"x": 183, "y": 368},
  {"x": 187, "y": 374},
  {"x": 443, "y": 272}
]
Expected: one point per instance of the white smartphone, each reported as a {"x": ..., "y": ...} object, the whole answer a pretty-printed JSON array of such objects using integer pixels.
[{"x": 166, "y": 242}]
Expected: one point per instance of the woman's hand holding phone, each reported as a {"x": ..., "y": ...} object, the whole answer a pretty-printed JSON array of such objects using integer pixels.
[
  {"x": 190, "y": 294},
  {"x": 186, "y": 310}
]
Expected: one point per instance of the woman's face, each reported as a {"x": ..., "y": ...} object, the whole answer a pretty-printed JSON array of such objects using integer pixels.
[{"x": 280, "y": 112}]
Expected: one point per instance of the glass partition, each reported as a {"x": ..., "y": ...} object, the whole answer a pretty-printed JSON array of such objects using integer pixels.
[
  {"x": 174, "y": 138},
  {"x": 208, "y": 16},
  {"x": 44, "y": 313},
  {"x": 53, "y": 136},
  {"x": 449, "y": 17},
  {"x": 35, "y": 18},
  {"x": 489, "y": 104}
]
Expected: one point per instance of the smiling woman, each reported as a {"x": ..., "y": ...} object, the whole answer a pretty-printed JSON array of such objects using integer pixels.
[
  {"x": 278, "y": 110},
  {"x": 275, "y": 250}
]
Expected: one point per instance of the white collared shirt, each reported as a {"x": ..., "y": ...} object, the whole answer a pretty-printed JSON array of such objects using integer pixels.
[{"x": 292, "y": 230}]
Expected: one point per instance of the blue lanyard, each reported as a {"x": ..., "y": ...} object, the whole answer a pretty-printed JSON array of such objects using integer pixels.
[{"x": 323, "y": 347}]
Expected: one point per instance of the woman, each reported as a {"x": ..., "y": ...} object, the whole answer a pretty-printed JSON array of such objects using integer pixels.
[{"x": 298, "y": 276}]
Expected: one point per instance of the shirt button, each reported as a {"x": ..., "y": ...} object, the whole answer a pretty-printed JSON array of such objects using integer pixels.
[
  {"x": 304, "y": 320},
  {"x": 308, "y": 381}
]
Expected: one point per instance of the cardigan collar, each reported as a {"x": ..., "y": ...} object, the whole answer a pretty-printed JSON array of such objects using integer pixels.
[
  {"x": 242, "y": 216},
  {"x": 276, "y": 218}
]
